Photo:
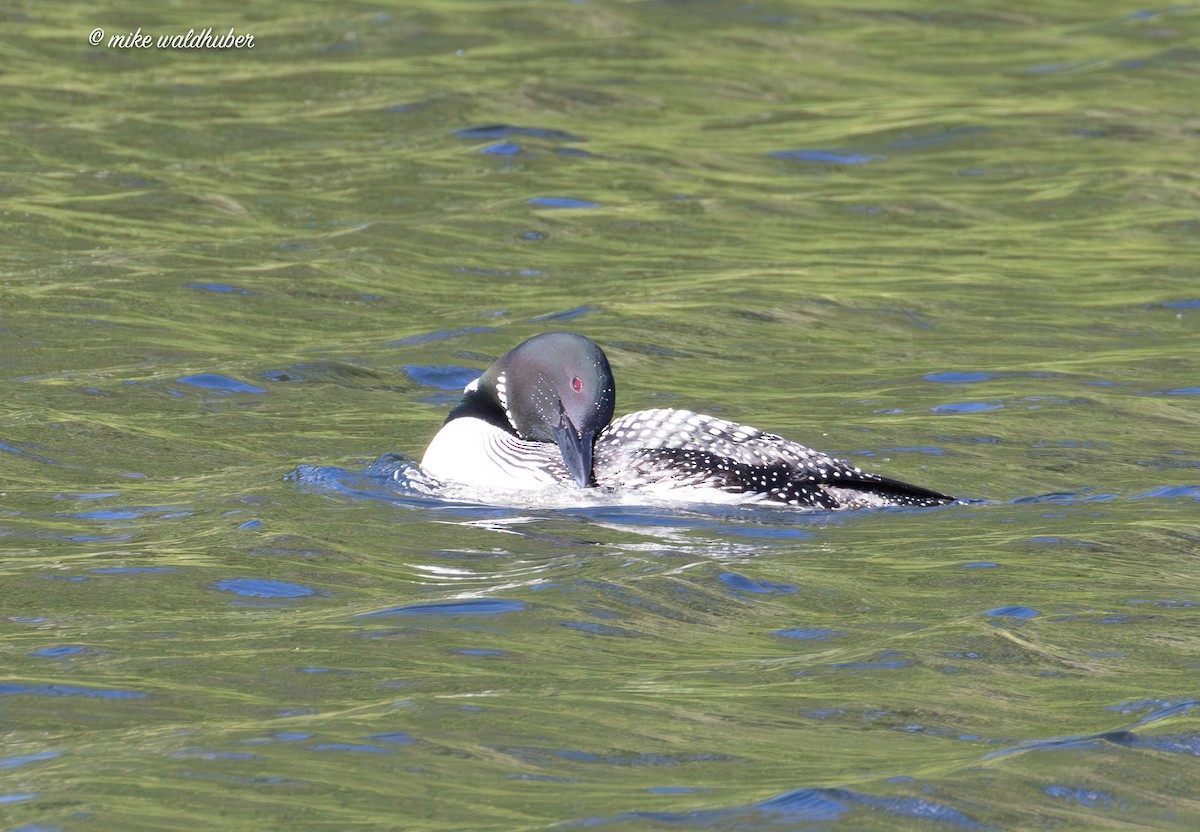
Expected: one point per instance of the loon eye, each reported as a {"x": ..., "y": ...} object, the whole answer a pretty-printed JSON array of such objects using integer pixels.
[{"x": 576, "y": 384}]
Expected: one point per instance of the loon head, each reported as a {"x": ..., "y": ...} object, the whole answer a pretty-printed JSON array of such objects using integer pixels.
[{"x": 555, "y": 387}]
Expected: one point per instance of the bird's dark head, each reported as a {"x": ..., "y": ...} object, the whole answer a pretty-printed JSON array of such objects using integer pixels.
[{"x": 556, "y": 387}]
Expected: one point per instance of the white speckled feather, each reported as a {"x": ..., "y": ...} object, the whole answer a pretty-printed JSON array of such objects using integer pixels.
[{"x": 677, "y": 452}]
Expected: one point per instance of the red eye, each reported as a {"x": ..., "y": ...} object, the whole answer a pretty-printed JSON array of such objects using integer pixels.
[{"x": 577, "y": 384}]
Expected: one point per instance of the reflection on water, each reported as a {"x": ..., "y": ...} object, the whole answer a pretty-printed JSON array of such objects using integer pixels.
[{"x": 955, "y": 245}]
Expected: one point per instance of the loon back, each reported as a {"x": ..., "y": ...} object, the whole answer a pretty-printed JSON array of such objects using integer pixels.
[{"x": 659, "y": 451}]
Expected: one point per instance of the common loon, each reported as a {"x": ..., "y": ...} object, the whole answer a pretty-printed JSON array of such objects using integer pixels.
[{"x": 542, "y": 415}]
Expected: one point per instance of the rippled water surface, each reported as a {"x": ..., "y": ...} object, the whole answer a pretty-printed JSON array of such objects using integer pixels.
[{"x": 239, "y": 290}]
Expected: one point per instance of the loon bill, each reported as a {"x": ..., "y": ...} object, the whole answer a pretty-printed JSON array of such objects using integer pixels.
[{"x": 542, "y": 414}]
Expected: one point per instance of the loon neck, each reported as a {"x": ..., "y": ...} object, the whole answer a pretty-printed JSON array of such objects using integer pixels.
[{"x": 481, "y": 402}]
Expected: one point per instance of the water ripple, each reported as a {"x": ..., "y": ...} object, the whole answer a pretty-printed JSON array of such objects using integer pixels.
[
  {"x": 471, "y": 606},
  {"x": 814, "y": 805}
]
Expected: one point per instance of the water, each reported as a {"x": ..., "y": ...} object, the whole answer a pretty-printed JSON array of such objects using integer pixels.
[{"x": 955, "y": 246}]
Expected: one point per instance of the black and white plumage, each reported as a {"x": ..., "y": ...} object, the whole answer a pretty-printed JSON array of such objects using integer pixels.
[{"x": 542, "y": 415}]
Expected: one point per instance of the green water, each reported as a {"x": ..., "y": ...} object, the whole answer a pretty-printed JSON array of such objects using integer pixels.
[{"x": 974, "y": 267}]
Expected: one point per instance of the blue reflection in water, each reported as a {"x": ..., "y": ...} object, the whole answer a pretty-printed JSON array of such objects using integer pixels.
[
  {"x": 67, "y": 690},
  {"x": 741, "y": 583},
  {"x": 819, "y": 805},
  {"x": 26, "y": 759},
  {"x": 259, "y": 588},
  {"x": 219, "y": 383},
  {"x": 472, "y": 606},
  {"x": 826, "y": 157},
  {"x": 503, "y": 131},
  {"x": 561, "y": 202},
  {"x": 442, "y": 378}
]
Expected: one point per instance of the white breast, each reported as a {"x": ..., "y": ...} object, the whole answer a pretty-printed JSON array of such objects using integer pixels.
[{"x": 471, "y": 452}]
